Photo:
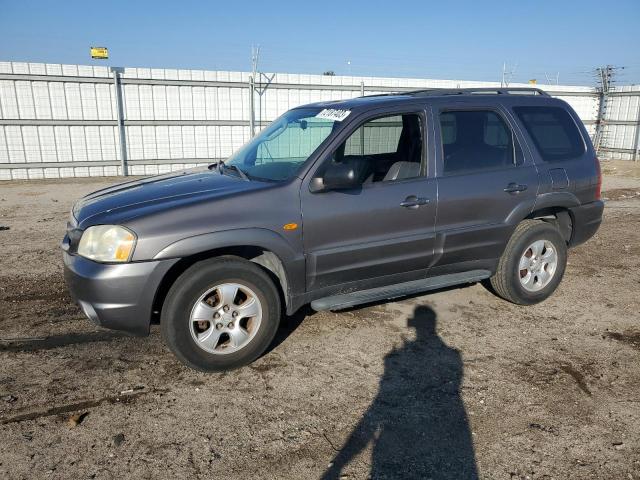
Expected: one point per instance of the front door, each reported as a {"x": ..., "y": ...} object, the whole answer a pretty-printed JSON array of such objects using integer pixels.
[{"x": 383, "y": 230}]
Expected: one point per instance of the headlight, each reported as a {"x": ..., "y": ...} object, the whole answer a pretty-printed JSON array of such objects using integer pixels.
[{"x": 107, "y": 243}]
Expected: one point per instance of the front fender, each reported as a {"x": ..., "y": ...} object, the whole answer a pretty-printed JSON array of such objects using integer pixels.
[
  {"x": 292, "y": 262},
  {"x": 256, "y": 237}
]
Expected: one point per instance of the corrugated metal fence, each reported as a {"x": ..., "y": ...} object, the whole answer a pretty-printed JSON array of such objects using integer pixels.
[
  {"x": 621, "y": 124},
  {"x": 63, "y": 120}
]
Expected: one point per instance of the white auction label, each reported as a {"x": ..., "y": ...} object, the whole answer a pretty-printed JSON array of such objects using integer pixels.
[{"x": 334, "y": 114}]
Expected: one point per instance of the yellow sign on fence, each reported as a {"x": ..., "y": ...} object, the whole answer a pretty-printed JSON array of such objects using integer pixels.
[{"x": 99, "y": 52}]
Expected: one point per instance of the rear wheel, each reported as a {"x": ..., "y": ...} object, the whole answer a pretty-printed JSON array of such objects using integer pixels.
[
  {"x": 221, "y": 314},
  {"x": 532, "y": 265}
]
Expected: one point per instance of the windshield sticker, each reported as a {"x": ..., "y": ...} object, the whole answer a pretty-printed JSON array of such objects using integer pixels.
[{"x": 334, "y": 114}]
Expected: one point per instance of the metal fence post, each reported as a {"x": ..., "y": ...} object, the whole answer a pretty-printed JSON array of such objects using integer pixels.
[
  {"x": 120, "y": 118},
  {"x": 252, "y": 110},
  {"x": 636, "y": 141},
  {"x": 362, "y": 129}
]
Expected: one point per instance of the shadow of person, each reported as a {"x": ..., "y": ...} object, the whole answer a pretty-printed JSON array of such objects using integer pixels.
[{"x": 417, "y": 422}]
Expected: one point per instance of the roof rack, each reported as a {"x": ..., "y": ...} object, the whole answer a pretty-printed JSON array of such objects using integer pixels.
[{"x": 477, "y": 91}]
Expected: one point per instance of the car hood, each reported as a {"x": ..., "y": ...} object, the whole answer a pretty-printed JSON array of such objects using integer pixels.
[{"x": 131, "y": 199}]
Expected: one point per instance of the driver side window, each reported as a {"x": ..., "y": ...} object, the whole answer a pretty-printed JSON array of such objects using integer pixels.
[{"x": 384, "y": 149}]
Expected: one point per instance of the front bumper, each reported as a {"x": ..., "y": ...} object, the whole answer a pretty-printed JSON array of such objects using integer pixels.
[
  {"x": 586, "y": 221},
  {"x": 116, "y": 296}
]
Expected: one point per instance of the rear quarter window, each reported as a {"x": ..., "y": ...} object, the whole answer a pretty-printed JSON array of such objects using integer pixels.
[{"x": 554, "y": 133}]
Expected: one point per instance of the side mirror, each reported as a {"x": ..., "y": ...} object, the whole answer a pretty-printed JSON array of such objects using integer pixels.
[{"x": 338, "y": 176}]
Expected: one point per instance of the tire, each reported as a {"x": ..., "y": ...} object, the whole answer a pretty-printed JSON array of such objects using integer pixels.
[
  {"x": 222, "y": 340},
  {"x": 529, "y": 285}
]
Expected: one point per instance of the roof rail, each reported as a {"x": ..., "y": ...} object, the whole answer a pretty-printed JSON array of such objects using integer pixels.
[{"x": 478, "y": 91}]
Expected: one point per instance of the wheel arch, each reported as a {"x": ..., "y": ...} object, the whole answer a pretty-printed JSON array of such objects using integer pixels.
[
  {"x": 553, "y": 207},
  {"x": 262, "y": 247},
  {"x": 266, "y": 259},
  {"x": 559, "y": 217}
]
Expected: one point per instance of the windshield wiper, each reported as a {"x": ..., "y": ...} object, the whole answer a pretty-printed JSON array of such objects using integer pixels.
[{"x": 221, "y": 166}]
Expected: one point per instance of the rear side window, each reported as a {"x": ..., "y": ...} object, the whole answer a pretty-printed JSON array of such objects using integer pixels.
[
  {"x": 475, "y": 140},
  {"x": 553, "y": 131}
]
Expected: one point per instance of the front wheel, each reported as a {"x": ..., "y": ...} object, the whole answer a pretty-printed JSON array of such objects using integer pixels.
[
  {"x": 532, "y": 265},
  {"x": 221, "y": 314}
]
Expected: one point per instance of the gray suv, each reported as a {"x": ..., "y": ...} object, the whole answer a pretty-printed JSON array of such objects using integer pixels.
[{"x": 336, "y": 204}]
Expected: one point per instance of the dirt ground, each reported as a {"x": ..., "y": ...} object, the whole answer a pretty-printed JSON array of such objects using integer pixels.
[{"x": 454, "y": 384}]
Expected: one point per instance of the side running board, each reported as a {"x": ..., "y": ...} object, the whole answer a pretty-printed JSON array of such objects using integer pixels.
[{"x": 340, "y": 302}]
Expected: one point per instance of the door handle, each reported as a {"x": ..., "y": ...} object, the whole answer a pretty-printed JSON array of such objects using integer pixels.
[
  {"x": 414, "y": 202},
  {"x": 515, "y": 188}
]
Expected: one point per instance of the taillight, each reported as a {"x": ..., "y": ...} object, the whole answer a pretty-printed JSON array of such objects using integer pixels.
[{"x": 599, "y": 185}]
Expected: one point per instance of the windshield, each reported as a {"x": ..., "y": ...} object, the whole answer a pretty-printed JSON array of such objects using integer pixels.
[{"x": 279, "y": 150}]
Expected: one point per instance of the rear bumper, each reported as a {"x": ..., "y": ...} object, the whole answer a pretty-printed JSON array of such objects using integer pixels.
[
  {"x": 118, "y": 297},
  {"x": 586, "y": 221}
]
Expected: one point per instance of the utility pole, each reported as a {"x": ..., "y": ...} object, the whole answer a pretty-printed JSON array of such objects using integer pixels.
[
  {"x": 263, "y": 82},
  {"x": 604, "y": 79},
  {"x": 255, "y": 54}
]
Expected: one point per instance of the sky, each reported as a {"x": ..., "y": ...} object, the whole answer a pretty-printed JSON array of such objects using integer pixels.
[{"x": 463, "y": 39}]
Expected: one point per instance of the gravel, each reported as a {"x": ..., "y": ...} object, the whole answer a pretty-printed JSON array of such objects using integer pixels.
[{"x": 454, "y": 384}]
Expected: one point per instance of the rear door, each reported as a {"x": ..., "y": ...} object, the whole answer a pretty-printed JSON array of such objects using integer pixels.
[
  {"x": 564, "y": 154},
  {"x": 486, "y": 183},
  {"x": 383, "y": 230}
]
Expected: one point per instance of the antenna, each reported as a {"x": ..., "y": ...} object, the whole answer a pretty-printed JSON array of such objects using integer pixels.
[
  {"x": 507, "y": 75},
  {"x": 550, "y": 81},
  {"x": 255, "y": 56}
]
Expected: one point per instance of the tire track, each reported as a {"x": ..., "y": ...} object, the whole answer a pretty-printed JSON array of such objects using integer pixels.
[
  {"x": 33, "y": 413},
  {"x": 56, "y": 341}
]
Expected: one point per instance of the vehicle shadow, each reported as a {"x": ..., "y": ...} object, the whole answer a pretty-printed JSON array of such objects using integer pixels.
[
  {"x": 289, "y": 324},
  {"x": 417, "y": 423}
]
